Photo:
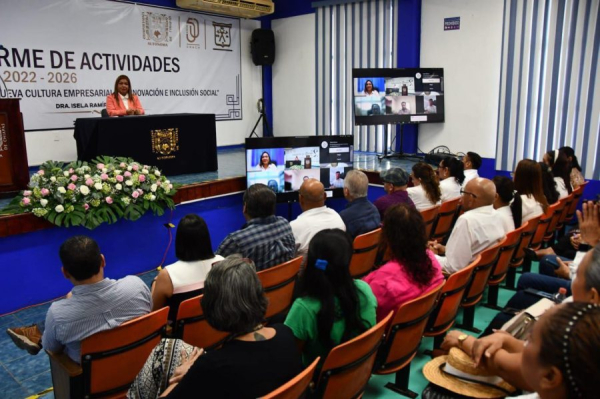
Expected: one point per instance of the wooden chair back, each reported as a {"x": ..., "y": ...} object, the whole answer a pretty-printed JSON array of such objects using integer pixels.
[
  {"x": 562, "y": 203},
  {"x": 365, "y": 251},
  {"x": 577, "y": 193},
  {"x": 348, "y": 366},
  {"x": 505, "y": 255},
  {"x": 296, "y": 387},
  {"x": 429, "y": 216},
  {"x": 444, "y": 314},
  {"x": 279, "y": 282},
  {"x": 530, "y": 227},
  {"x": 193, "y": 328},
  {"x": 542, "y": 227},
  {"x": 481, "y": 273},
  {"x": 111, "y": 359},
  {"x": 445, "y": 217},
  {"x": 405, "y": 332}
]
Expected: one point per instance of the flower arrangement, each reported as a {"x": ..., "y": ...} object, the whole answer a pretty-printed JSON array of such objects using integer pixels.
[{"x": 80, "y": 194}]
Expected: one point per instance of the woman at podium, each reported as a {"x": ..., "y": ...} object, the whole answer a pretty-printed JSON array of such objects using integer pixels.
[{"x": 123, "y": 101}]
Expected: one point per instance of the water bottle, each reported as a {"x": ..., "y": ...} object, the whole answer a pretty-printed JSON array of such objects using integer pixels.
[{"x": 560, "y": 295}]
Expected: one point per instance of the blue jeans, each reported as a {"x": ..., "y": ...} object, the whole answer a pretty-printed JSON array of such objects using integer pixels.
[
  {"x": 549, "y": 264},
  {"x": 543, "y": 283}
]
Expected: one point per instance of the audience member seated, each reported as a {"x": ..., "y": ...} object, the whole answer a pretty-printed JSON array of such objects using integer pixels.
[
  {"x": 477, "y": 229},
  {"x": 575, "y": 175},
  {"x": 395, "y": 183},
  {"x": 360, "y": 215},
  {"x": 472, "y": 163},
  {"x": 507, "y": 204},
  {"x": 315, "y": 215},
  {"x": 265, "y": 238},
  {"x": 413, "y": 269},
  {"x": 95, "y": 304},
  {"x": 559, "y": 360},
  {"x": 426, "y": 191},
  {"x": 184, "y": 279},
  {"x": 528, "y": 183},
  {"x": 548, "y": 184},
  {"x": 562, "y": 175},
  {"x": 452, "y": 176},
  {"x": 332, "y": 307},
  {"x": 254, "y": 362}
]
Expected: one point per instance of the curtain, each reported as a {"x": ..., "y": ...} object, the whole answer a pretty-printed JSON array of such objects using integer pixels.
[
  {"x": 549, "y": 83},
  {"x": 351, "y": 35}
]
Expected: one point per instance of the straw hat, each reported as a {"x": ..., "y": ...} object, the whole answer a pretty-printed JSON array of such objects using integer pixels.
[{"x": 453, "y": 372}]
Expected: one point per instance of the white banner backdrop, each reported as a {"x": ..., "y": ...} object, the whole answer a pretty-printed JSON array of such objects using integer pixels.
[{"x": 62, "y": 58}]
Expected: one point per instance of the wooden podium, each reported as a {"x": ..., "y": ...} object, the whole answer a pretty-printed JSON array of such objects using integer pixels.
[{"x": 14, "y": 170}]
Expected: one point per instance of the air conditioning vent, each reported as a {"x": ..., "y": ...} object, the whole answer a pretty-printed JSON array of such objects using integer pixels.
[{"x": 234, "y": 8}]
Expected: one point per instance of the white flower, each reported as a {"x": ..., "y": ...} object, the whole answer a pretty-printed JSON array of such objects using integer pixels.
[
  {"x": 118, "y": 172},
  {"x": 129, "y": 182},
  {"x": 104, "y": 170},
  {"x": 118, "y": 186},
  {"x": 152, "y": 197},
  {"x": 130, "y": 168},
  {"x": 59, "y": 208},
  {"x": 43, "y": 202},
  {"x": 62, "y": 190},
  {"x": 145, "y": 171},
  {"x": 87, "y": 176},
  {"x": 66, "y": 173},
  {"x": 84, "y": 190},
  {"x": 153, "y": 188},
  {"x": 53, "y": 179},
  {"x": 167, "y": 181},
  {"x": 157, "y": 172},
  {"x": 98, "y": 186}
]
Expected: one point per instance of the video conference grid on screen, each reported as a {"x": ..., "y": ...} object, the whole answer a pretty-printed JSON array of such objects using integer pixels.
[
  {"x": 407, "y": 95},
  {"x": 284, "y": 163}
]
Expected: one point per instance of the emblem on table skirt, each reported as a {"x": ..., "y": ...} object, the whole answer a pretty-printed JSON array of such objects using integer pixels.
[{"x": 165, "y": 141}]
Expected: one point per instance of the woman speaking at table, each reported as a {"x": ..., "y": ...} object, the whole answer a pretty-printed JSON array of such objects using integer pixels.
[{"x": 123, "y": 101}]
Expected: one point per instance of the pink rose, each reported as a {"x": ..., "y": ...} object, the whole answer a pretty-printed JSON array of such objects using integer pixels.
[
  {"x": 127, "y": 174},
  {"x": 26, "y": 201},
  {"x": 158, "y": 183},
  {"x": 139, "y": 190},
  {"x": 108, "y": 200},
  {"x": 89, "y": 182},
  {"x": 86, "y": 206},
  {"x": 74, "y": 178},
  {"x": 27, "y": 193},
  {"x": 135, "y": 167},
  {"x": 71, "y": 187},
  {"x": 119, "y": 178},
  {"x": 71, "y": 170},
  {"x": 135, "y": 194},
  {"x": 104, "y": 176},
  {"x": 44, "y": 192},
  {"x": 142, "y": 178},
  {"x": 122, "y": 165},
  {"x": 41, "y": 172},
  {"x": 100, "y": 166}
]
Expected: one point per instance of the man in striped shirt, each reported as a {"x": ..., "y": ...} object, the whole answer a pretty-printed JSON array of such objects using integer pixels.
[{"x": 95, "y": 304}]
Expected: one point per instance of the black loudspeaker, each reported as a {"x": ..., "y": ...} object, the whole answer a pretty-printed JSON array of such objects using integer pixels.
[{"x": 262, "y": 47}]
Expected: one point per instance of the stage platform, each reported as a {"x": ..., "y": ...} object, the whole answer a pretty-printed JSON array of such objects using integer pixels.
[{"x": 230, "y": 178}]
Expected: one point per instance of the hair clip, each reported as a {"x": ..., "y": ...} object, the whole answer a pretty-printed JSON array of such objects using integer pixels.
[{"x": 321, "y": 264}]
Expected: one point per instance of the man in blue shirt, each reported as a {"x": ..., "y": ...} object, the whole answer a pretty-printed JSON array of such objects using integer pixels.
[
  {"x": 265, "y": 238},
  {"x": 95, "y": 304},
  {"x": 360, "y": 215}
]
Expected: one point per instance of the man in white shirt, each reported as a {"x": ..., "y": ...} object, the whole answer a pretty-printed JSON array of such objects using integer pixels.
[
  {"x": 477, "y": 229},
  {"x": 431, "y": 108},
  {"x": 472, "y": 163},
  {"x": 315, "y": 215}
]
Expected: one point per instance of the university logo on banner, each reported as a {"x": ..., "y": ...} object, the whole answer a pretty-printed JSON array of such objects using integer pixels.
[
  {"x": 156, "y": 27},
  {"x": 222, "y": 35}
]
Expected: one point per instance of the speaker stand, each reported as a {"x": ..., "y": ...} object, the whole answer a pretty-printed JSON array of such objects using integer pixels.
[
  {"x": 401, "y": 154},
  {"x": 263, "y": 117}
]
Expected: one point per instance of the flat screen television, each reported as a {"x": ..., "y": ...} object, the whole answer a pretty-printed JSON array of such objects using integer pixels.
[
  {"x": 398, "y": 95},
  {"x": 283, "y": 163}
]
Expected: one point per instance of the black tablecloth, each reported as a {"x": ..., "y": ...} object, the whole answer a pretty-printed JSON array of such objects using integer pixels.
[{"x": 176, "y": 143}]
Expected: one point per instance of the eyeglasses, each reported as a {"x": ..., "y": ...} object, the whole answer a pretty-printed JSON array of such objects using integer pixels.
[{"x": 466, "y": 192}]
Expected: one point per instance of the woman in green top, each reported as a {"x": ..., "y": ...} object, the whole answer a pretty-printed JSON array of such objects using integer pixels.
[{"x": 332, "y": 307}]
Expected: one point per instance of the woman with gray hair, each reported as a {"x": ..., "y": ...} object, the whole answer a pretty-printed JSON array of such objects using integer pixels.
[{"x": 258, "y": 358}]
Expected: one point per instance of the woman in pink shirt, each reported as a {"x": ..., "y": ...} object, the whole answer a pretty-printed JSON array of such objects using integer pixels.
[{"x": 412, "y": 270}]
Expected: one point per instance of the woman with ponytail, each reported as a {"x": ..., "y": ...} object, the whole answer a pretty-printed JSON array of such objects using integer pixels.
[
  {"x": 426, "y": 191},
  {"x": 576, "y": 176},
  {"x": 507, "y": 203},
  {"x": 528, "y": 183},
  {"x": 452, "y": 175}
]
